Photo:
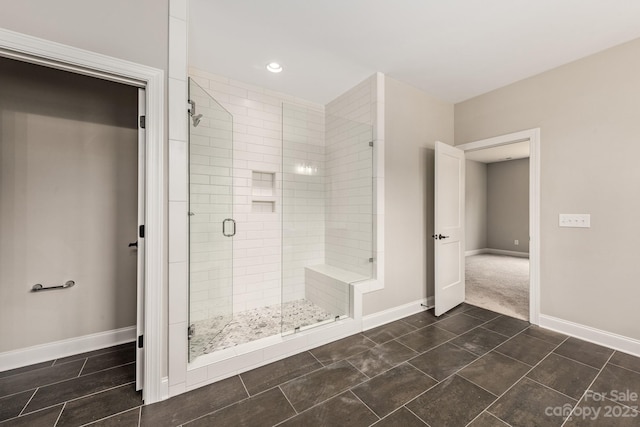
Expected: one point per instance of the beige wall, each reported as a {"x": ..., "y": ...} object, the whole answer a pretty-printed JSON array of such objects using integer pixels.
[
  {"x": 589, "y": 115},
  {"x": 475, "y": 205},
  {"x": 413, "y": 122},
  {"x": 68, "y": 204},
  {"x": 508, "y": 205}
]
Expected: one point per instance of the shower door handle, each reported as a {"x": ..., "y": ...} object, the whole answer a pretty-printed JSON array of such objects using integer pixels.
[{"x": 224, "y": 227}]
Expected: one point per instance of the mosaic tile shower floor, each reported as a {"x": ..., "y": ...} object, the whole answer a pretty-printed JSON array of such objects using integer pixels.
[{"x": 212, "y": 335}]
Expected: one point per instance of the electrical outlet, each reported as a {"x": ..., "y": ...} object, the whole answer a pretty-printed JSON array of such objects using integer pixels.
[
  {"x": 575, "y": 220},
  {"x": 516, "y": 242}
]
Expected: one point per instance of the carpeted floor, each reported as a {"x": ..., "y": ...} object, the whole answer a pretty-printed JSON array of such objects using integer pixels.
[{"x": 498, "y": 283}]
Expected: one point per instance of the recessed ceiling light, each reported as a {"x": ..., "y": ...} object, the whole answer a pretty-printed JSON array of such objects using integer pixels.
[{"x": 274, "y": 67}]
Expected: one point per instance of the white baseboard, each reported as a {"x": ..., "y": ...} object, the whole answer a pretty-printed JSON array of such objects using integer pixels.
[
  {"x": 58, "y": 349},
  {"x": 386, "y": 316},
  {"x": 496, "y": 252},
  {"x": 587, "y": 333}
]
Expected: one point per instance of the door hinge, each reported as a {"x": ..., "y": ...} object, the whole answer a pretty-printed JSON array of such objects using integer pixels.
[
  {"x": 141, "y": 231},
  {"x": 191, "y": 331},
  {"x": 370, "y": 143},
  {"x": 140, "y": 341},
  {"x": 143, "y": 122}
]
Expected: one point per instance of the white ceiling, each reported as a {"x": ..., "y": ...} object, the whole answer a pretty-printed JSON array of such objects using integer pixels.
[
  {"x": 501, "y": 153},
  {"x": 452, "y": 49}
]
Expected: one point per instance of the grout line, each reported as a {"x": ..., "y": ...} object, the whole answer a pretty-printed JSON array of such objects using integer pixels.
[
  {"x": 109, "y": 416},
  {"x": 577, "y": 361},
  {"x": 366, "y": 406},
  {"x": 587, "y": 389},
  {"x": 477, "y": 385},
  {"x": 243, "y": 385},
  {"x": 628, "y": 369},
  {"x": 414, "y": 414},
  {"x": 82, "y": 368},
  {"x": 285, "y": 396},
  {"x": 28, "y": 401},
  {"x": 85, "y": 395},
  {"x": 60, "y": 414},
  {"x": 551, "y": 388}
]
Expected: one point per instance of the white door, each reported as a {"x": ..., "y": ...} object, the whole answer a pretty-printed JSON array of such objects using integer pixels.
[
  {"x": 449, "y": 228},
  {"x": 140, "y": 242}
]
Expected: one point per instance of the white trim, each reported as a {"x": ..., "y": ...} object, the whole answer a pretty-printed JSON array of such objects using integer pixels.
[
  {"x": 91, "y": 63},
  {"x": 587, "y": 333},
  {"x": 58, "y": 349},
  {"x": 497, "y": 252},
  {"x": 164, "y": 388},
  {"x": 392, "y": 314},
  {"x": 533, "y": 135}
]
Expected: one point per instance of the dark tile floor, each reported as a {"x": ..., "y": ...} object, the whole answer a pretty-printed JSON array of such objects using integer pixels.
[{"x": 470, "y": 367}]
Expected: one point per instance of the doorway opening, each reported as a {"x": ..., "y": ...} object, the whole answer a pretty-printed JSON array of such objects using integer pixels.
[
  {"x": 502, "y": 259},
  {"x": 497, "y": 229}
]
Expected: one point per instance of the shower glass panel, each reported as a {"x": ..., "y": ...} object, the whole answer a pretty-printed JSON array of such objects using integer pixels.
[
  {"x": 327, "y": 215},
  {"x": 210, "y": 213}
]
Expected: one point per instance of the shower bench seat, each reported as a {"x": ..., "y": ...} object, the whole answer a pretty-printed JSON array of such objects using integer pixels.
[{"x": 328, "y": 287}]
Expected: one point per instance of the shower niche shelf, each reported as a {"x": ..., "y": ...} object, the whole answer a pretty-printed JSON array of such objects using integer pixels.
[{"x": 263, "y": 191}]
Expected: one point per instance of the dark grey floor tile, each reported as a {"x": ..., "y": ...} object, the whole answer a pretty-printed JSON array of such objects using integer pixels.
[
  {"x": 392, "y": 389},
  {"x": 276, "y": 373},
  {"x": 615, "y": 382},
  {"x": 487, "y": 420},
  {"x": 526, "y": 349},
  {"x": 453, "y": 402},
  {"x": 527, "y": 403},
  {"x": 626, "y": 361},
  {"x": 79, "y": 356},
  {"x": 565, "y": 375},
  {"x": 81, "y": 386},
  {"x": 390, "y": 331},
  {"x": 341, "y": 349},
  {"x": 507, "y": 326},
  {"x": 443, "y": 361},
  {"x": 461, "y": 308},
  {"x": 584, "y": 352},
  {"x": 342, "y": 410},
  {"x": 425, "y": 338},
  {"x": 308, "y": 390},
  {"x": 109, "y": 360},
  {"x": 99, "y": 405},
  {"x": 264, "y": 409},
  {"x": 24, "y": 369},
  {"x": 481, "y": 313},
  {"x": 128, "y": 418},
  {"x": 545, "y": 334},
  {"x": 45, "y": 418},
  {"x": 603, "y": 413},
  {"x": 459, "y": 324},
  {"x": 381, "y": 358},
  {"x": 401, "y": 418},
  {"x": 422, "y": 319},
  {"x": 40, "y": 377},
  {"x": 11, "y": 406},
  {"x": 193, "y": 404},
  {"x": 495, "y": 372},
  {"x": 479, "y": 341}
]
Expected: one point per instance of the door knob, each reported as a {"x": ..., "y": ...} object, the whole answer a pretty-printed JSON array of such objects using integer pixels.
[
  {"x": 134, "y": 244},
  {"x": 439, "y": 236}
]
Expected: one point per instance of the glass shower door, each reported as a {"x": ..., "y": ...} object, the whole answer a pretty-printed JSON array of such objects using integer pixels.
[{"x": 211, "y": 224}]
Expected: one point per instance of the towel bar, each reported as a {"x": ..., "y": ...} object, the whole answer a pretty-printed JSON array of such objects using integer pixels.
[{"x": 38, "y": 287}]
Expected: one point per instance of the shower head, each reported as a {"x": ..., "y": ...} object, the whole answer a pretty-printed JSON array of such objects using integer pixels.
[{"x": 196, "y": 120}]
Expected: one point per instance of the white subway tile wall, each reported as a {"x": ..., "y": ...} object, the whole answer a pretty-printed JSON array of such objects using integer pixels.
[
  {"x": 254, "y": 170},
  {"x": 349, "y": 182}
]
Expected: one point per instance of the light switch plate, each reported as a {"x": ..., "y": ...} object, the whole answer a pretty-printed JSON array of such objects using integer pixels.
[{"x": 575, "y": 220}]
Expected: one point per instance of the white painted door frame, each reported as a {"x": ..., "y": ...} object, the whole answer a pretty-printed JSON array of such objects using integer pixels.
[
  {"x": 55, "y": 55},
  {"x": 533, "y": 136}
]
